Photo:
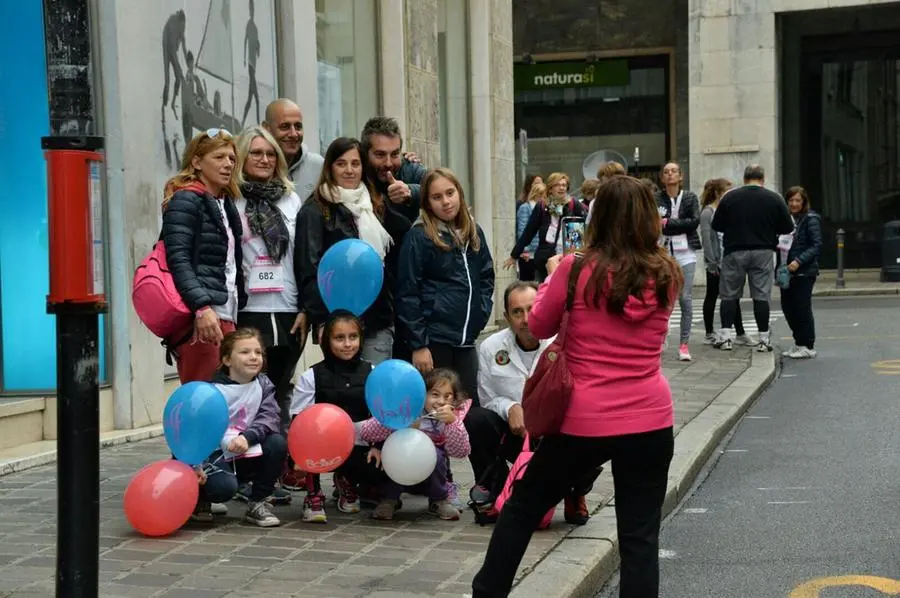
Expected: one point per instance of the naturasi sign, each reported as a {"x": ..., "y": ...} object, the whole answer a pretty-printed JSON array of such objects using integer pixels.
[{"x": 556, "y": 75}]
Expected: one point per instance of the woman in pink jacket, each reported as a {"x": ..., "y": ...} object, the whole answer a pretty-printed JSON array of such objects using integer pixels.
[{"x": 621, "y": 407}]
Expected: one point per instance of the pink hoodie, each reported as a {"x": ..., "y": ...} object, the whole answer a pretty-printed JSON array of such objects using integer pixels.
[{"x": 614, "y": 359}]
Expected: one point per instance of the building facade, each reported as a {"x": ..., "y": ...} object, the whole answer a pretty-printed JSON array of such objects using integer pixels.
[
  {"x": 148, "y": 74},
  {"x": 807, "y": 88}
]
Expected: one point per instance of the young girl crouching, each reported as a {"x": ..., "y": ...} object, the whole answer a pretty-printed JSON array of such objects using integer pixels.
[
  {"x": 442, "y": 421},
  {"x": 339, "y": 379},
  {"x": 253, "y": 448}
]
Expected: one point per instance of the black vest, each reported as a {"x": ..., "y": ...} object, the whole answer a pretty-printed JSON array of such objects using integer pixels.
[{"x": 344, "y": 384}]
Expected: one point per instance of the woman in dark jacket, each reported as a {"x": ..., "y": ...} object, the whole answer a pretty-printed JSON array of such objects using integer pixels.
[
  {"x": 802, "y": 259},
  {"x": 679, "y": 210},
  {"x": 445, "y": 283},
  {"x": 346, "y": 206},
  {"x": 202, "y": 231},
  {"x": 546, "y": 221}
]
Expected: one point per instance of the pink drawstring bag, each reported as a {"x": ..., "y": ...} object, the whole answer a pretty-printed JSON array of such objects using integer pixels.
[
  {"x": 515, "y": 473},
  {"x": 156, "y": 299}
]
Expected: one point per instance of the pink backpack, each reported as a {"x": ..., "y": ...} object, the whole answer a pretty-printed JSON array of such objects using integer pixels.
[
  {"x": 156, "y": 300},
  {"x": 515, "y": 474}
]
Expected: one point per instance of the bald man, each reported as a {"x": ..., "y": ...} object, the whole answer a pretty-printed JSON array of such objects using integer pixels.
[{"x": 285, "y": 122}]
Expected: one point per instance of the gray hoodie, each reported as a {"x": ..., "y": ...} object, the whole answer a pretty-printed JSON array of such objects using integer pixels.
[{"x": 306, "y": 171}]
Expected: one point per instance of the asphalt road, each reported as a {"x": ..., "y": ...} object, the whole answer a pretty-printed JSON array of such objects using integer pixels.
[{"x": 808, "y": 487}]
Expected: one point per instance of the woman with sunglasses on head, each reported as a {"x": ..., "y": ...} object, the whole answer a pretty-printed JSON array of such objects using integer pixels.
[{"x": 201, "y": 231}]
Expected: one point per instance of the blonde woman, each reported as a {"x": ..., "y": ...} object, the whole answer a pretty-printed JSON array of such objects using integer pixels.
[
  {"x": 546, "y": 221},
  {"x": 200, "y": 227},
  {"x": 268, "y": 207},
  {"x": 537, "y": 194},
  {"x": 445, "y": 283}
]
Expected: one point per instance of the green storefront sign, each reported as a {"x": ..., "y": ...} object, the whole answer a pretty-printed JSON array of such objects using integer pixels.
[{"x": 559, "y": 75}]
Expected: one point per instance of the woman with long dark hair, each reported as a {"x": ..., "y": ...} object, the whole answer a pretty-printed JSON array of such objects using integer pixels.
[
  {"x": 621, "y": 406},
  {"x": 345, "y": 205}
]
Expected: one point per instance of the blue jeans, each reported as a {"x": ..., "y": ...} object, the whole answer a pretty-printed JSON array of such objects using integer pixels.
[{"x": 225, "y": 476}]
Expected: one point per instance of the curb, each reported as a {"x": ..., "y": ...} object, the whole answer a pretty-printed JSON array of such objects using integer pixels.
[
  {"x": 588, "y": 556},
  {"x": 114, "y": 438},
  {"x": 858, "y": 292}
]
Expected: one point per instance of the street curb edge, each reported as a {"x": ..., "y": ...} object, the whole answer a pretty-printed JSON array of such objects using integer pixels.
[
  {"x": 587, "y": 557},
  {"x": 108, "y": 439}
]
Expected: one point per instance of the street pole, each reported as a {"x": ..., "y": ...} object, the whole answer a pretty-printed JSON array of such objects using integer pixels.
[
  {"x": 78, "y": 450},
  {"x": 839, "y": 281},
  {"x": 76, "y": 222}
]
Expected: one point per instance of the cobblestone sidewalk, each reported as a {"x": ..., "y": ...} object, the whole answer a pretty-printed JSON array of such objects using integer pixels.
[{"x": 352, "y": 556}]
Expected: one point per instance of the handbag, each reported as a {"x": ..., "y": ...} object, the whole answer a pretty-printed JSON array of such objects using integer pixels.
[
  {"x": 548, "y": 391},
  {"x": 783, "y": 277},
  {"x": 515, "y": 474}
]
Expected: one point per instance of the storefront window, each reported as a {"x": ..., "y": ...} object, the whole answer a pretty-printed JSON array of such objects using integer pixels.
[
  {"x": 580, "y": 112},
  {"x": 27, "y": 332},
  {"x": 347, "y": 47}
]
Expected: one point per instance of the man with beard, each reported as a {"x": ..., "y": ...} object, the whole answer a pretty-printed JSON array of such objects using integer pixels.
[
  {"x": 497, "y": 428},
  {"x": 285, "y": 122},
  {"x": 393, "y": 175}
]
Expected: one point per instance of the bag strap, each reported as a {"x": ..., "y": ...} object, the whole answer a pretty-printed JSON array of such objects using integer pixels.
[{"x": 573, "y": 280}]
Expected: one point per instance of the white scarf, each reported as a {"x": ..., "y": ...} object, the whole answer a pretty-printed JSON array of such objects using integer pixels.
[{"x": 359, "y": 203}]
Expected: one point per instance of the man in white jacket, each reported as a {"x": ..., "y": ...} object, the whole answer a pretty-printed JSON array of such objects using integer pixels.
[
  {"x": 505, "y": 360},
  {"x": 497, "y": 428}
]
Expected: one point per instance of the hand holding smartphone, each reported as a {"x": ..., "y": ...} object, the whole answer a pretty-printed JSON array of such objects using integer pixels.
[{"x": 573, "y": 228}]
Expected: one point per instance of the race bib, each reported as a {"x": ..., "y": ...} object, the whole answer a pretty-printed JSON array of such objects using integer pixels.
[
  {"x": 266, "y": 276},
  {"x": 784, "y": 246},
  {"x": 680, "y": 243},
  {"x": 552, "y": 230}
]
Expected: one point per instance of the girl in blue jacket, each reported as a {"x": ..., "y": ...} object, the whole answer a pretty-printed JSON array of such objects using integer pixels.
[{"x": 445, "y": 282}]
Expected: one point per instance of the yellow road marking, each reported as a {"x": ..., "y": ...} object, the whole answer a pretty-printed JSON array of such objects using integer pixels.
[{"x": 812, "y": 588}]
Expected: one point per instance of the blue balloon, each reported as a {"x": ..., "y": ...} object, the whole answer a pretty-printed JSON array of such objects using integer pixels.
[
  {"x": 350, "y": 276},
  {"x": 395, "y": 393},
  {"x": 194, "y": 421}
]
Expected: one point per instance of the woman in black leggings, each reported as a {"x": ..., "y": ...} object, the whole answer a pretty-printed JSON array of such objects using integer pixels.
[{"x": 713, "y": 191}]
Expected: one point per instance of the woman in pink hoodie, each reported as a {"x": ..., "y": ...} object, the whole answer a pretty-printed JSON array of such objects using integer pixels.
[{"x": 621, "y": 407}]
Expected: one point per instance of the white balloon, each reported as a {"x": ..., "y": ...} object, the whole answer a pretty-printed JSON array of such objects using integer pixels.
[{"x": 408, "y": 456}]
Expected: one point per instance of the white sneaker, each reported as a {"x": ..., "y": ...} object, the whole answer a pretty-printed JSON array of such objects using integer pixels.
[
  {"x": 710, "y": 339},
  {"x": 801, "y": 353},
  {"x": 725, "y": 345},
  {"x": 218, "y": 508},
  {"x": 764, "y": 345},
  {"x": 744, "y": 340}
]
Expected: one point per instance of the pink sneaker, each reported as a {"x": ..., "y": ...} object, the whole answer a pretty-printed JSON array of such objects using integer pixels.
[{"x": 684, "y": 353}]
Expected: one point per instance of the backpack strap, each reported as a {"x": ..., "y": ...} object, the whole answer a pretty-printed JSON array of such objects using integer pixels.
[{"x": 573, "y": 280}]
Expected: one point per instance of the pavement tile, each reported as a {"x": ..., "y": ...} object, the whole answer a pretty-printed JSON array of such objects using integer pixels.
[
  {"x": 149, "y": 580},
  {"x": 186, "y": 593},
  {"x": 351, "y": 556}
]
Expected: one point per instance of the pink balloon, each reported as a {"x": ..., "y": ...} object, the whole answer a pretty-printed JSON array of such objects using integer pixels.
[
  {"x": 321, "y": 438},
  {"x": 161, "y": 497}
]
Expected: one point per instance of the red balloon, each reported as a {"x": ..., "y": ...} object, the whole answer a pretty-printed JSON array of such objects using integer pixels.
[
  {"x": 161, "y": 497},
  {"x": 321, "y": 438}
]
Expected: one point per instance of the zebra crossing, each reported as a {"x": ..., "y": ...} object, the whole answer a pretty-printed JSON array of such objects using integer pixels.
[{"x": 697, "y": 318}]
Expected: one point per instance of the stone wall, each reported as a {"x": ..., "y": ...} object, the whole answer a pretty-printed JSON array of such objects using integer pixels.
[
  {"x": 422, "y": 133},
  {"x": 503, "y": 149},
  {"x": 735, "y": 83}
]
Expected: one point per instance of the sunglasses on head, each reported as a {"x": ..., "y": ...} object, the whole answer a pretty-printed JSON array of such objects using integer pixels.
[{"x": 214, "y": 132}]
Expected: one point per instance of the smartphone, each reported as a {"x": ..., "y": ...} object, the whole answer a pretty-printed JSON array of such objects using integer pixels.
[{"x": 573, "y": 234}]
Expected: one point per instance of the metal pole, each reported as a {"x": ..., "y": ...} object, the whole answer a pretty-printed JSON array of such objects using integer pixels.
[
  {"x": 78, "y": 451},
  {"x": 839, "y": 281}
]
